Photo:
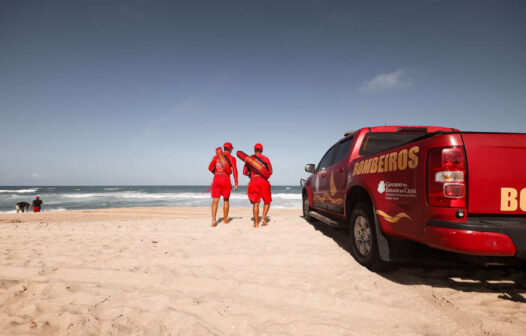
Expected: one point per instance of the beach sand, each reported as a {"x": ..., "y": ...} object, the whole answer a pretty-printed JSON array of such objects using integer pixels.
[{"x": 165, "y": 271}]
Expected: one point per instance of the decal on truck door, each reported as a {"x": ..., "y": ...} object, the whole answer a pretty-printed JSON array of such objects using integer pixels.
[
  {"x": 329, "y": 197},
  {"x": 332, "y": 187}
]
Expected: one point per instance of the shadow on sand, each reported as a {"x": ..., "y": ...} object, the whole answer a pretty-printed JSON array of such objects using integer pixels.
[
  {"x": 269, "y": 219},
  {"x": 437, "y": 268},
  {"x": 231, "y": 219}
]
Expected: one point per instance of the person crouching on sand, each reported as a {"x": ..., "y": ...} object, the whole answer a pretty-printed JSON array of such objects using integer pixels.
[
  {"x": 22, "y": 206},
  {"x": 37, "y": 204},
  {"x": 259, "y": 187},
  {"x": 221, "y": 185}
]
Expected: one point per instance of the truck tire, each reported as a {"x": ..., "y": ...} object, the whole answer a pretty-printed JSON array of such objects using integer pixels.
[
  {"x": 306, "y": 207},
  {"x": 363, "y": 240}
]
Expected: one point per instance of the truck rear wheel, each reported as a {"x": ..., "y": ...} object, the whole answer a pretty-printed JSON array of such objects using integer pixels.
[{"x": 363, "y": 241}]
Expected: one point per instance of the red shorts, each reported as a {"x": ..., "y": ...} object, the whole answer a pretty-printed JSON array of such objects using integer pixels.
[
  {"x": 221, "y": 186},
  {"x": 259, "y": 188},
  {"x": 36, "y": 209}
]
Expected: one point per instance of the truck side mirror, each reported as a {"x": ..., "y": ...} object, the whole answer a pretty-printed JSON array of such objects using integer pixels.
[{"x": 309, "y": 168}]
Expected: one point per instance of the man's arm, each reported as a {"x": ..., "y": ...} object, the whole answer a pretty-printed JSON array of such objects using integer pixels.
[
  {"x": 245, "y": 170},
  {"x": 212, "y": 164},
  {"x": 269, "y": 166},
  {"x": 234, "y": 168}
]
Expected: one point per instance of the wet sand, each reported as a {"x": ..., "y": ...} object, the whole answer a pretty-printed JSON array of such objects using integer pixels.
[{"x": 166, "y": 271}]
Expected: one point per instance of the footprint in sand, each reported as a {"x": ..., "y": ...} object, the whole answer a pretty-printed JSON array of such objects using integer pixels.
[
  {"x": 47, "y": 270},
  {"x": 6, "y": 284},
  {"x": 19, "y": 290}
]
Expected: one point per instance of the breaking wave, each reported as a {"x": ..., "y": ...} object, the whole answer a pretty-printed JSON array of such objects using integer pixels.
[{"x": 19, "y": 191}]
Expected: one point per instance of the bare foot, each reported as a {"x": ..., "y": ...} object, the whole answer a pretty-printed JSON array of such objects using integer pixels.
[
  {"x": 214, "y": 223},
  {"x": 256, "y": 226},
  {"x": 227, "y": 221}
]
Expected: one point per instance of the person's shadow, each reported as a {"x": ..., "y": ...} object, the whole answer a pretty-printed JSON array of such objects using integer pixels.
[
  {"x": 269, "y": 219},
  {"x": 432, "y": 267},
  {"x": 231, "y": 219}
]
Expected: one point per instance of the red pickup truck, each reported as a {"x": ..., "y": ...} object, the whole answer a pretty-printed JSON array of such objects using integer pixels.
[{"x": 463, "y": 192}]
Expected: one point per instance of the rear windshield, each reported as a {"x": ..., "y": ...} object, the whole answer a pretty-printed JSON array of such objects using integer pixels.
[{"x": 378, "y": 142}]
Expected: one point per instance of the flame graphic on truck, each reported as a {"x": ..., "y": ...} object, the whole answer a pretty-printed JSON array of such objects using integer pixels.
[
  {"x": 327, "y": 197},
  {"x": 392, "y": 219}
]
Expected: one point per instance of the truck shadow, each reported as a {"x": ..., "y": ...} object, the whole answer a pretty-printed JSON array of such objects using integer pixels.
[{"x": 431, "y": 267}]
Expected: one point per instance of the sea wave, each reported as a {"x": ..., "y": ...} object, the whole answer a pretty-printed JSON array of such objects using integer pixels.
[
  {"x": 55, "y": 209},
  {"x": 287, "y": 196},
  {"x": 19, "y": 191},
  {"x": 46, "y": 210}
]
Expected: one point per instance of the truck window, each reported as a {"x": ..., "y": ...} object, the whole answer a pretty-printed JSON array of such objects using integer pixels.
[
  {"x": 378, "y": 142},
  {"x": 343, "y": 149},
  {"x": 328, "y": 158}
]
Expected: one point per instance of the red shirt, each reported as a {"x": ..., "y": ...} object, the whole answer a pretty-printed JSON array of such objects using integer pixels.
[
  {"x": 265, "y": 159},
  {"x": 219, "y": 169}
]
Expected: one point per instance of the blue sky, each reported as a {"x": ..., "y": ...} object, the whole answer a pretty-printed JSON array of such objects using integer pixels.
[{"x": 142, "y": 92}]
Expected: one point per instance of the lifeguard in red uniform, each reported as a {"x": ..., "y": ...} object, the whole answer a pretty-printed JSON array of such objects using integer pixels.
[
  {"x": 259, "y": 187},
  {"x": 37, "y": 204},
  {"x": 221, "y": 186}
]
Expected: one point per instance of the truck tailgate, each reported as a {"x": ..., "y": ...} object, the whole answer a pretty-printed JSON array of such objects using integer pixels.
[{"x": 496, "y": 173}]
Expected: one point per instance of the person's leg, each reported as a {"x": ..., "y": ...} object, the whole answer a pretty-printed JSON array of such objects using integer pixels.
[
  {"x": 227, "y": 188},
  {"x": 226, "y": 207},
  {"x": 266, "y": 207},
  {"x": 215, "y": 201},
  {"x": 267, "y": 199},
  {"x": 255, "y": 210}
]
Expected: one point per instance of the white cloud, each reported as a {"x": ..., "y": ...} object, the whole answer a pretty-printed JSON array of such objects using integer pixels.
[{"x": 388, "y": 81}]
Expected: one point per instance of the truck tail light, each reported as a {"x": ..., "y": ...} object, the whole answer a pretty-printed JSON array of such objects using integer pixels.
[{"x": 446, "y": 170}]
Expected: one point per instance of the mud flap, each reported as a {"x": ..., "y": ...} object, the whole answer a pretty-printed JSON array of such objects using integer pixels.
[{"x": 383, "y": 243}]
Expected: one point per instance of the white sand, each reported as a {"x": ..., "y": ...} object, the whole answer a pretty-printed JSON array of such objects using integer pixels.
[{"x": 166, "y": 271}]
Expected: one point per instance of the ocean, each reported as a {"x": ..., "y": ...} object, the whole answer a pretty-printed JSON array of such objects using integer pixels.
[{"x": 57, "y": 198}]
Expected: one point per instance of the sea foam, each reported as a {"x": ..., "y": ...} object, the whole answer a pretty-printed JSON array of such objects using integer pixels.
[{"x": 19, "y": 191}]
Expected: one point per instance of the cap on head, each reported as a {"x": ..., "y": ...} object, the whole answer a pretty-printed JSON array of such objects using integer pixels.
[
  {"x": 37, "y": 197},
  {"x": 258, "y": 147},
  {"x": 227, "y": 145}
]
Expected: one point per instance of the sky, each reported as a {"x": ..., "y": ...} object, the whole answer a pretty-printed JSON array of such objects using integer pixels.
[{"x": 142, "y": 92}]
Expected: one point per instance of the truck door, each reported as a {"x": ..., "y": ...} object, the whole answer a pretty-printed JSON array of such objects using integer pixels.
[
  {"x": 337, "y": 177},
  {"x": 320, "y": 190}
]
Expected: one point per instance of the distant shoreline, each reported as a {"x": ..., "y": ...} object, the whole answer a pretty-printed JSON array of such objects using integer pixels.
[{"x": 59, "y": 198}]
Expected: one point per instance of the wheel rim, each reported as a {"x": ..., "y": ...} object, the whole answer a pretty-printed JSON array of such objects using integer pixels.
[
  {"x": 362, "y": 235},
  {"x": 305, "y": 207}
]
